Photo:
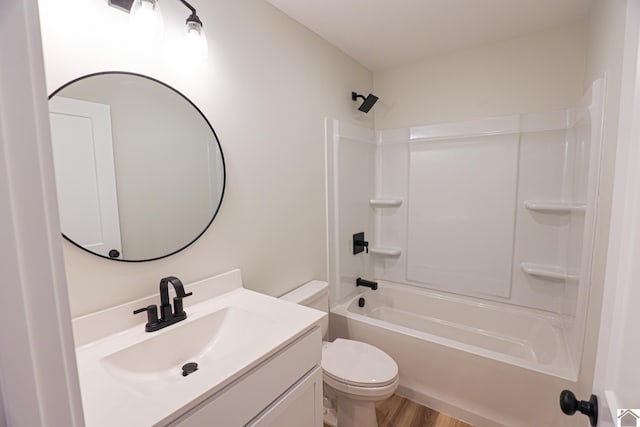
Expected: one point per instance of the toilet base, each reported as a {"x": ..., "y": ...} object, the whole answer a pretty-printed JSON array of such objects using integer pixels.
[
  {"x": 341, "y": 410},
  {"x": 329, "y": 415},
  {"x": 356, "y": 413}
]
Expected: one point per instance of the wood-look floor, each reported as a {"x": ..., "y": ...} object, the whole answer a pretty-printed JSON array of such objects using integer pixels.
[{"x": 397, "y": 411}]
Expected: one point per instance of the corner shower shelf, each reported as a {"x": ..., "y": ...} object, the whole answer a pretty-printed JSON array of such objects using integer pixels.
[
  {"x": 554, "y": 207},
  {"x": 385, "y": 251},
  {"x": 548, "y": 272},
  {"x": 385, "y": 203}
]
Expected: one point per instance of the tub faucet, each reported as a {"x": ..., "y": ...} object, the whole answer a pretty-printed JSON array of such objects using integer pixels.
[
  {"x": 168, "y": 314},
  {"x": 369, "y": 284}
]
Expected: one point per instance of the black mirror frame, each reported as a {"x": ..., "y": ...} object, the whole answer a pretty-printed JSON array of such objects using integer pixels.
[{"x": 224, "y": 166}]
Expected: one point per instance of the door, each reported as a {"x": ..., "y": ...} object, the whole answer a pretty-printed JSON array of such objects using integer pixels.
[
  {"x": 617, "y": 373},
  {"x": 85, "y": 174}
]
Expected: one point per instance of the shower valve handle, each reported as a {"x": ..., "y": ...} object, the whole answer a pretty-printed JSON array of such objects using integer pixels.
[
  {"x": 359, "y": 244},
  {"x": 364, "y": 244}
]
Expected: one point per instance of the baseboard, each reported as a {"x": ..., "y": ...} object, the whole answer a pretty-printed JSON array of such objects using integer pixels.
[{"x": 446, "y": 408}]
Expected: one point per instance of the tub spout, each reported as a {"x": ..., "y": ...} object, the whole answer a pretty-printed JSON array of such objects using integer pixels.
[{"x": 369, "y": 284}]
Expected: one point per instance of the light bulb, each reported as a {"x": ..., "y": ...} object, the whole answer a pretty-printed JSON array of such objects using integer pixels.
[
  {"x": 196, "y": 47},
  {"x": 146, "y": 19}
]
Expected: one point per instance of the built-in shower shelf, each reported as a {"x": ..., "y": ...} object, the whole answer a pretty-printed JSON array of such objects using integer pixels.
[
  {"x": 385, "y": 203},
  {"x": 385, "y": 251},
  {"x": 554, "y": 207},
  {"x": 549, "y": 272}
]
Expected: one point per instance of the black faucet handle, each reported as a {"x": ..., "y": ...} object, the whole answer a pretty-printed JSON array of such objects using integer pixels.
[
  {"x": 152, "y": 314},
  {"x": 359, "y": 244},
  {"x": 178, "y": 309}
]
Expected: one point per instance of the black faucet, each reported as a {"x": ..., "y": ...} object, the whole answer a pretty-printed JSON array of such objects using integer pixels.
[
  {"x": 369, "y": 284},
  {"x": 168, "y": 314}
]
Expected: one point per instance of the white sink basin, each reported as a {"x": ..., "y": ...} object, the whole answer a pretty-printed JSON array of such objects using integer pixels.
[
  {"x": 156, "y": 362},
  {"x": 129, "y": 377}
]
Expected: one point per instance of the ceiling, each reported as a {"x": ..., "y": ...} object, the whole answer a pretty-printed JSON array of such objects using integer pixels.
[{"x": 382, "y": 34}]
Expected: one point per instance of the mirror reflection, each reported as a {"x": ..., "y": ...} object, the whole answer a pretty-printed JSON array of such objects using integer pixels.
[{"x": 139, "y": 170}]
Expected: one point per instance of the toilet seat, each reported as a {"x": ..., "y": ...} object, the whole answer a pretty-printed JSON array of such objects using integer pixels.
[{"x": 358, "y": 365}]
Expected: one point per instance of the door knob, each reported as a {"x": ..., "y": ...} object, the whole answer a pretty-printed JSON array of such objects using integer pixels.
[{"x": 569, "y": 405}]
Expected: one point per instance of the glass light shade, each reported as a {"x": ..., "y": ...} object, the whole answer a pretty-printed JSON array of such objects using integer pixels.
[
  {"x": 146, "y": 19},
  {"x": 196, "y": 46}
]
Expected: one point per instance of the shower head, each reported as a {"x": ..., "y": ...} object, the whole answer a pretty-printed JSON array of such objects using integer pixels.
[{"x": 369, "y": 101}]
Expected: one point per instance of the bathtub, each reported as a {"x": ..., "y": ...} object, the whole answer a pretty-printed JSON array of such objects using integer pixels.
[{"x": 487, "y": 363}]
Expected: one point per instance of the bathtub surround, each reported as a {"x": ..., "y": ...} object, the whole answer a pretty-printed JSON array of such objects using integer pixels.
[
  {"x": 520, "y": 191},
  {"x": 252, "y": 80},
  {"x": 499, "y": 209}
]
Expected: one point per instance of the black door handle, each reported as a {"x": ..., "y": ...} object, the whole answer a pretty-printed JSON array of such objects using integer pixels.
[{"x": 569, "y": 405}]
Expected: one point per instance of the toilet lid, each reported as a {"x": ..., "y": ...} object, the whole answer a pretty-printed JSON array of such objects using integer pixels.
[{"x": 358, "y": 363}]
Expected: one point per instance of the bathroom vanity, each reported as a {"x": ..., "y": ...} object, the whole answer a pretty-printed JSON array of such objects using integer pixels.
[{"x": 258, "y": 362}]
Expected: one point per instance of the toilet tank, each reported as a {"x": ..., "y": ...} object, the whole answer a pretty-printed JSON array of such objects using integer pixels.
[{"x": 313, "y": 294}]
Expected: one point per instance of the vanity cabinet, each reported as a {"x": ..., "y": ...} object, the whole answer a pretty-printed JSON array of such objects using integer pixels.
[
  {"x": 297, "y": 407},
  {"x": 285, "y": 390}
]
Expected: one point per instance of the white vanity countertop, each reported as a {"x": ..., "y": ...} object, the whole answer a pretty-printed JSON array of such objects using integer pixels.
[{"x": 150, "y": 390}]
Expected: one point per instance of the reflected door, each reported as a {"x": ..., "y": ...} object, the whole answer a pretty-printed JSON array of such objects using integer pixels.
[{"x": 85, "y": 174}]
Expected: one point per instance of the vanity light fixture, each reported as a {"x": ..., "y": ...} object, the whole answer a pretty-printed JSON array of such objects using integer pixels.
[
  {"x": 196, "y": 40},
  {"x": 147, "y": 21}
]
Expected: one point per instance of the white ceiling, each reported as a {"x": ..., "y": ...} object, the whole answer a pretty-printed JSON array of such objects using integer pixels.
[{"x": 381, "y": 34}]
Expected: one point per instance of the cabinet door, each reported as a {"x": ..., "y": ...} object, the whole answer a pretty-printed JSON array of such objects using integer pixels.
[
  {"x": 300, "y": 406},
  {"x": 261, "y": 388}
]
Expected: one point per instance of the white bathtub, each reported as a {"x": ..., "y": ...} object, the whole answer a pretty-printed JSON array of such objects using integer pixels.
[{"x": 488, "y": 363}]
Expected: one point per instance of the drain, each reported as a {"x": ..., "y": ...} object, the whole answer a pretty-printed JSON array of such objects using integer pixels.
[
  {"x": 189, "y": 368},
  {"x": 361, "y": 302}
]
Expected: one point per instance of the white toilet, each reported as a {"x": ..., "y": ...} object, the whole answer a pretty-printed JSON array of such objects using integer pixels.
[{"x": 356, "y": 375}]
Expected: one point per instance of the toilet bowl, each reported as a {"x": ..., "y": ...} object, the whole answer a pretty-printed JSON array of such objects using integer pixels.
[{"x": 356, "y": 375}]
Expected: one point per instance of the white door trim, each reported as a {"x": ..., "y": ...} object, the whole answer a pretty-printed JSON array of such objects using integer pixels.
[{"x": 37, "y": 358}]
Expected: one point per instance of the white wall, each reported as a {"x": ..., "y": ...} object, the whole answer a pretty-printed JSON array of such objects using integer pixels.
[
  {"x": 539, "y": 72},
  {"x": 266, "y": 87}
]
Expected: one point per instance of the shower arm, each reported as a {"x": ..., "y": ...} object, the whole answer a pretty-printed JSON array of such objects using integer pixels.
[{"x": 354, "y": 95}]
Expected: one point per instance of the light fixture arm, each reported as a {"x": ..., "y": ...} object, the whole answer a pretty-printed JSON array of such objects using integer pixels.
[
  {"x": 125, "y": 6},
  {"x": 195, "y": 33},
  {"x": 193, "y": 17},
  {"x": 188, "y": 6}
]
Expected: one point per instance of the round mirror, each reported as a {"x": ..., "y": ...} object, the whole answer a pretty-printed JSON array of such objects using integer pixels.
[{"x": 139, "y": 170}]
